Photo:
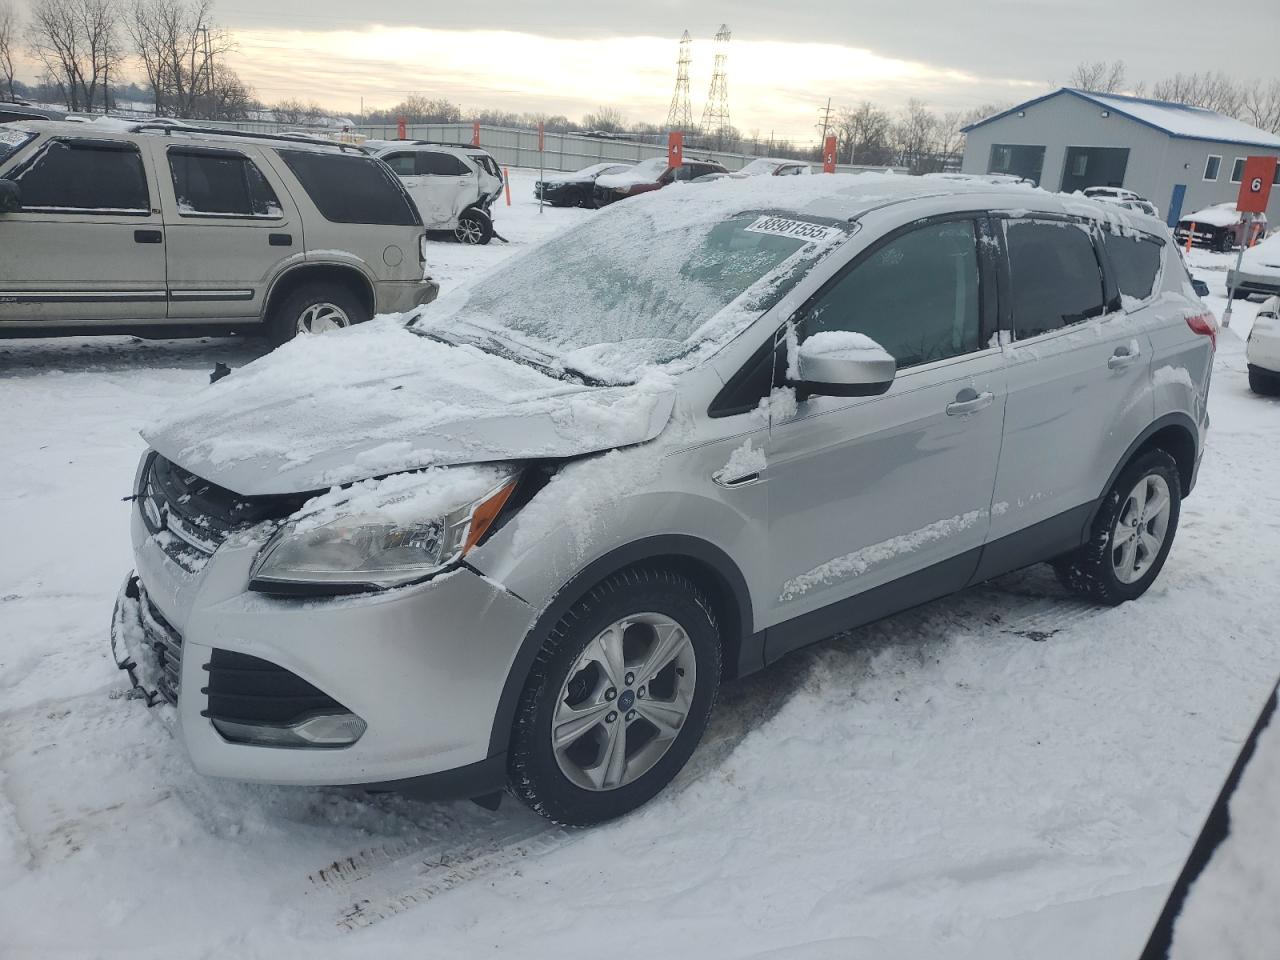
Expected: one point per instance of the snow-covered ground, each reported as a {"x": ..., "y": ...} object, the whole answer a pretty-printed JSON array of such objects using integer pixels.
[{"x": 1005, "y": 773}]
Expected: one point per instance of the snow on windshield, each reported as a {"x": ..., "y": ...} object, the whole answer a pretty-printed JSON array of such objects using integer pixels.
[{"x": 640, "y": 283}]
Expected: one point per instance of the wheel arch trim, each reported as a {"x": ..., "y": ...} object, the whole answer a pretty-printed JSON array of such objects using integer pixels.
[
  {"x": 291, "y": 273},
  {"x": 1176, "y": 421}
]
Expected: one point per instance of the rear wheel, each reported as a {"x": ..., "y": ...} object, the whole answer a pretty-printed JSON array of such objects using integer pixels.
[
  {"x": 474, "y": 227},
  {"x": 618, "y": 698},
  {"x": 1131, "y": 535},
  {"x": 315, "y": 308}
]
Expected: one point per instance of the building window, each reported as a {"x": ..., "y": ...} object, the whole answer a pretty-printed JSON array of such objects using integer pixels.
[
  {"x": 1021, "y": 160},
  {"x": 1211, "y": 167},
  {"x": 1237, "y": 170}
]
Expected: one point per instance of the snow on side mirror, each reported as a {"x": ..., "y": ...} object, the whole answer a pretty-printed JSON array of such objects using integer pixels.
[{"x": 839, "y": 363}]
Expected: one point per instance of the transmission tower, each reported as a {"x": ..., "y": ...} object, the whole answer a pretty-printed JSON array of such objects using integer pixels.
[
  {"x": 715, "y": 115},
  {"x": 680, "y": 116}
]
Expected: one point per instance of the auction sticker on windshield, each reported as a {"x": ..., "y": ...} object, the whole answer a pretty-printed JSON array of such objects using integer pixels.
[{"x": 799, "y": 229}]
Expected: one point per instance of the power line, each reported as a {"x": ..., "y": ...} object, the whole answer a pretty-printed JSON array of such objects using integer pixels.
[
  {"x": 680, "y": 115},
  {"x": 715, "y": 115}
]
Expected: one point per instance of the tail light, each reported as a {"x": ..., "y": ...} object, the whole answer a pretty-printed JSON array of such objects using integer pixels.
[
  {"x": 422, "y": 249},
  {"x": 1206, "y": 326}
]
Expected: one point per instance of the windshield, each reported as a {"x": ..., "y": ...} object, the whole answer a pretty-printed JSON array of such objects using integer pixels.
[
  {"x": 11, "y": 141},
  {"x": 598, "y": 168},
  {"x": 760, "y": 165},
  {"x": 636, "y": 287}
]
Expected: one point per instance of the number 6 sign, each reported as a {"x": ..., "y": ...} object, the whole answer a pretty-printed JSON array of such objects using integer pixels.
[{"x": 1255, "y": 185}]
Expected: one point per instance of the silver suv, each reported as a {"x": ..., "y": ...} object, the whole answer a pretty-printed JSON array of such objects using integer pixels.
[
  {"x": 660, "y": 450},
  {"x": 164, "y": 230}
]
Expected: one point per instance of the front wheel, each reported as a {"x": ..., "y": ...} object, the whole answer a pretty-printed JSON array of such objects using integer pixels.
[
  {"x": 617, "y": 699},
  {"x": 1131, "y": 534},
  {"x": 474, "y": 227},
  {"x": 1262, "y": 383}
]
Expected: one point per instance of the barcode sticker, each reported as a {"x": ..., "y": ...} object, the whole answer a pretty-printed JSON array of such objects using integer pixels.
[{"x": 797, "y": 229}]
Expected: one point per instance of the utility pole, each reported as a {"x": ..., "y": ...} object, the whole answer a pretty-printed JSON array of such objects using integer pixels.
[{"x": 826, "y": 121}]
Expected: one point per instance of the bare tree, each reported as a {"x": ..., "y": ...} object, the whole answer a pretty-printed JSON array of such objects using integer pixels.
[
  {"x": 183, "y": 55},
  {"x": 1214, "y": 91},
  {"x": 863, "y": 134},
  {"x": 1099, "y": 76},
  {"x": 605, "y": 120},
  {"x": 8, "y": 43},
  {"x": 1260, "y": 105},
  {"x": 76, "y": 42},
  {"x": 914, "y": 134}
]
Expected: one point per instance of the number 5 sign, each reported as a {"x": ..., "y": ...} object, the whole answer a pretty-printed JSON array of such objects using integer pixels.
[{"x": 1255, "y": 185}]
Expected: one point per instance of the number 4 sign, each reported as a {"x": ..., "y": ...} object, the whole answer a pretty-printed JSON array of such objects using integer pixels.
[{"x": 1255, "y": 185}]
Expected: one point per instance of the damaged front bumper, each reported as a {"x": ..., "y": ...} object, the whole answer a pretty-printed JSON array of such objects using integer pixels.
[{"x": 142, "y": 646}]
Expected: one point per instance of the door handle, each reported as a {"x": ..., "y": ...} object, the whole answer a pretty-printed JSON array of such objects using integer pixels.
[
  {"x": 280, "y": 240},
  {"x": 148, "y": 236},
  {"x": 1123, "y": 357},
  {"x": 969, "y": 401},
  {"x": 735, "y": 482}
]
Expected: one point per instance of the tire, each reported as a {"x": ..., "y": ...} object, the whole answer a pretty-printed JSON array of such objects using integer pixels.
[
  {"x": 474, "y": 227},
  {"x": 557, "y": 783},
  {"x": 305, "y": 305},
  {"x": 1220, "y": 243},
  {"x": 1239, "y": 294},
  {"x": 576, "y": 198},
  {"x": 1100, "y": 570},
  {"x": 1264, "y": 384}
]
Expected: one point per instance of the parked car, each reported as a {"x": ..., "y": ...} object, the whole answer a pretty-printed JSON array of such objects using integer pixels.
[
  {"x": 1262, "y": 352},
  {"x": 665, "y": 448},
  {"x": 576, "y": 189},
  {"x": 11, "y": 110},
  {"x": 647, "y": 175},
  {"x": 760, "y": 167},
  {"x": 1259, "y": 270},
  {"x": 1220, "y": 227},
  {"x": 1122, "y": 198},
  {"x": 450, "y": 187},
  {"x": 994, "y": 179},
  {"x": 162, "y": 230}
]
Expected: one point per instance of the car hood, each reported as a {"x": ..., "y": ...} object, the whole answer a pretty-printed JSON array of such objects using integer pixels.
[
  {"x": 379, "y": 399},
  {"x": 613, "y": 181},
  {"x": 1265, "y": 256}
]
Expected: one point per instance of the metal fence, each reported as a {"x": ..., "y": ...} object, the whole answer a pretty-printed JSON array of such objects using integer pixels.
[{"x": 516, "y": 147}]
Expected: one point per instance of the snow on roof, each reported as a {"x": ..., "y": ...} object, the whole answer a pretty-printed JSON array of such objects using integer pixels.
[{"x": 1175, "y": 119}]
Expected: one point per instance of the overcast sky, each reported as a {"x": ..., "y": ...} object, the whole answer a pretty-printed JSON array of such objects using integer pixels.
[{"x": 786, "y": 58}]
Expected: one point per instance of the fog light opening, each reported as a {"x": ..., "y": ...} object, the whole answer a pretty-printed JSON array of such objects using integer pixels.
[{"x": 321, "y": 730}]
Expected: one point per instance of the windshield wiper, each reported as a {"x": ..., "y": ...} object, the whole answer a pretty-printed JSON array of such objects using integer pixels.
[{"x": 494, "y": 346}]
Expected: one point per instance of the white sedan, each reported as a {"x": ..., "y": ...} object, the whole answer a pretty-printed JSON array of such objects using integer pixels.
[
  {"x": 1263, "y": 350},
  {"x": 1259, "y": 270}
]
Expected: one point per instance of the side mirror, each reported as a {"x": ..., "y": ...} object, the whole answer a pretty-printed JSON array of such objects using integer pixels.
[
  {"x": 839, "y": 363},
  {"x": 10, "y": 197}
]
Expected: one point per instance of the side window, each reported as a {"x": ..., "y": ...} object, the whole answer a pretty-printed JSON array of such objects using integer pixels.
[
  {"x": 441, "y": 165},
  {"x": 1211, "y": 167},
  {"x": 1055, "y": 276},
  {"x": 1237, "y": 170},
  {"x": 685, "y": 172},
  {"x": 404, "y": 164},
  {"x": 220, "y": 183},
  {"x": 917, "y": 296},
  {"x": 1136, "y": 262},
  {"x": 352, "y": 189},
  {"x": 87, "y": 175}
]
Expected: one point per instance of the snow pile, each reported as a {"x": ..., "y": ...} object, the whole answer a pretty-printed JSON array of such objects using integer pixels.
[
  {"x": 1265, "y": 253},
  {"x": 646, "y": 171},
  {"x": 1219, "y": 215},
  {"x": 743, "y": 462}
]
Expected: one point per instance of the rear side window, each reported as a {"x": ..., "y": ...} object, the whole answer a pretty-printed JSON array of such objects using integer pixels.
[
  {"x": 11, "y": 141},
  {"x": 1055, "y": 278},
  {"x": 352, "y": 189},
  {"x": 441, "y": 165},
  {"x": 1136, "y": 262},
  {"x": 917, "y": 296},
  {"x": 98, "y": 175},
  {"x": 404, "y": 164},
  {"x": 220, "y": 183},
  {"x": 489, "y": 165}
]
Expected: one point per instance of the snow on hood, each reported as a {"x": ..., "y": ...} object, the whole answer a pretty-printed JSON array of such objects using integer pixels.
[
  {"x": 1222, "y": 215},
  {"x": 647, "y": 171},
  {"x": 1265, "y": 253},
  {"x": 379, "y": 399}
]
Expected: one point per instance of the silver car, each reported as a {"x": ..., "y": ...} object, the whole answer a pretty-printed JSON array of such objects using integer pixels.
[
  {"x": 162, "y": 229},
  {"x": 520, "y": 540}
]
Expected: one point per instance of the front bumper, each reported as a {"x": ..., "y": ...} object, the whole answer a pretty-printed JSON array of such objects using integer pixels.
[
  {"x": 1263, "y": 350},
  {"x": 422, "y": 666},
  {"x": 401, "y": 296},
  {"x": 1246, "y": 282}
]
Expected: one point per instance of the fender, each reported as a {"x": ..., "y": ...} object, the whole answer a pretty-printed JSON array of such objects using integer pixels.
[
  {"x": 1168, "y": 420},
  {"x": 304, "y": 261},
  {"x": 732, "y": 584}
]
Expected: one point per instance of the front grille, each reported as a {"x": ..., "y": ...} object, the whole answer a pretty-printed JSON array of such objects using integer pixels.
[
  {"x": 166, "y": 645},
  {"x": 191, "y": 517},
  {"x": 247, "y": 689}
]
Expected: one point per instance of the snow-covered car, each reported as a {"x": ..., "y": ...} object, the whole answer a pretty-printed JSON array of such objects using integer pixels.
[
  {"x": 994, "y": 179},
  {"x": 451, "y": 186},
  {"x": 760, "y": 167},
  {"x": 576, "y": 189},
  {"x": 1220, "y": 227},
  {"x": 1259, "y": 270},
  {"x": 648, "y": 175},
  {"x": 1123, "y": 198},
  {"x": 518, "y": 540},
  {"x": 11, "y": 110},
  {"x": 1262, "y": 352}
]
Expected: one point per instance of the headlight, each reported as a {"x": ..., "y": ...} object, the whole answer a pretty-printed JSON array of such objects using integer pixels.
[{"x": 380, "y": 534}]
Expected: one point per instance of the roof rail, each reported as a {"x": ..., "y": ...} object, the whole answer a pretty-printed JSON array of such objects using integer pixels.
[{"x": 171, "y": 128}]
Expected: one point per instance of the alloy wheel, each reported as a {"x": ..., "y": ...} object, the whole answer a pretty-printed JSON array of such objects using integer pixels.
[
  {"x": 469, "y": 230},
  {"x": 624, "y": 701},
  {"x": 322, "y": 318},
  {"x": 1140, "y": 528}
]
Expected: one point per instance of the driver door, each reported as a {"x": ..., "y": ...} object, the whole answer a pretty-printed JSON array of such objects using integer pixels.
[{"x": 878, "y": 503}]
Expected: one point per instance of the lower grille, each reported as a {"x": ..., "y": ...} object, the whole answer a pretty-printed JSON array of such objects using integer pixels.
[
  {"x": 247, "y": 689},
  {"x": 166, "y": 643}
]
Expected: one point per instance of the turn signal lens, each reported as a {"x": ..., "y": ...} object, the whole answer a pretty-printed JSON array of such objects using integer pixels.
[
  {"x": 482, "y": 517},
  {"x": 1205, "y": 325}
]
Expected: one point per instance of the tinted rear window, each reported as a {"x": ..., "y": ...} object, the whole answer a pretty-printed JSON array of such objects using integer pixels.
[
  {"x": 1136, "y": 262},
  {"x": 220, "y": 183},
  {"x": 351, "y": 189},
  {"x": 1055, "y": 276}
]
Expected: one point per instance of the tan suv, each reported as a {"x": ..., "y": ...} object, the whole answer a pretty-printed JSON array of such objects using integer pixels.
[{"x": 162, "y": 230}]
